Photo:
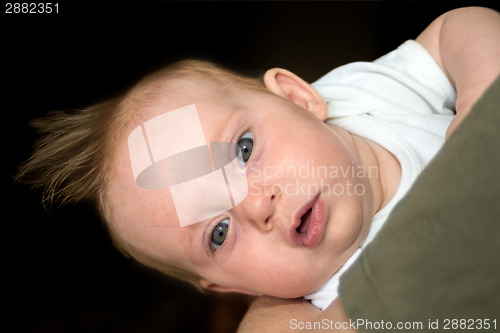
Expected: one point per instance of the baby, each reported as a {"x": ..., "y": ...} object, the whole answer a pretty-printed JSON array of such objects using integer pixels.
[{"x": 319, "y": 166}]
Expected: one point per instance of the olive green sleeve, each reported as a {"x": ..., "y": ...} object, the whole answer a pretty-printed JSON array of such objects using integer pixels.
[{"x": 438, "y": 255}]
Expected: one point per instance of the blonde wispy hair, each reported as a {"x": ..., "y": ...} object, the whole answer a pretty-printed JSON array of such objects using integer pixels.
[{"x": 71, "y": 158}]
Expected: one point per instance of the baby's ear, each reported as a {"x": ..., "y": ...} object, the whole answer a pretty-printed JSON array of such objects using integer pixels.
[
  {"x": 288, "y": 85},
  {"x": 215, "y": 287}
]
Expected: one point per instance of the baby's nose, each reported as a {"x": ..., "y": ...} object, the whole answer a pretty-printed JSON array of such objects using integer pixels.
[{"x": 258, "y": 208}]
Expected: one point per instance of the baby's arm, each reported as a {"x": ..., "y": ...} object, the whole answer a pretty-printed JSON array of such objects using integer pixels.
[{"x": 465, "y": 42}]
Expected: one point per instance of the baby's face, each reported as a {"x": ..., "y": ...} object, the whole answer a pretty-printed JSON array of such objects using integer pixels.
[{"x": 306, "y": 211}]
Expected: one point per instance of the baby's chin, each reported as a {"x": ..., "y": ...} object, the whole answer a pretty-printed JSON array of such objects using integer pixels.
[
  {"x": 296, "y": 294},
  {"x": 298, "y": 289},
  {"x": 305, "y": 285}
]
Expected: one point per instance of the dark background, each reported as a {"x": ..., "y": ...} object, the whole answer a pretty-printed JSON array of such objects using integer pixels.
[{"x": 61, "y": 273}]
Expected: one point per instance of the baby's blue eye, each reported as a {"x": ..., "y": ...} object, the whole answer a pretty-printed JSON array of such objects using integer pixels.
[
  {"x": 244, "y": 148},
  {"x": 219, "y": 234}
]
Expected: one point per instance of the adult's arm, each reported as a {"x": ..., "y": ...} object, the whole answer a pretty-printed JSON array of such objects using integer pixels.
[
  {"x": 465, "y": 42},
  {"x": 275, "y": 315}
]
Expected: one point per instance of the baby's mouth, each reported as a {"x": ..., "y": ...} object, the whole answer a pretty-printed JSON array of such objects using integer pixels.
[
  {"x": 304, "y": 222},
  {"x": 309, "y": 223}
]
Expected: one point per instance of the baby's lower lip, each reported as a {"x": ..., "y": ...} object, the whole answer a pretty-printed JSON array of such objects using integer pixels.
[{"x": 316, "y": 224}]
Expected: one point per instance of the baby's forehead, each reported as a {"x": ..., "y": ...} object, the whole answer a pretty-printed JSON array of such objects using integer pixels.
[{"x": 210, "y": 100}]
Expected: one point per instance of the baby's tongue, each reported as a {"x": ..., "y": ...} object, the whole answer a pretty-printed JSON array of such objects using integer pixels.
[{"x": 305, "y": 219}]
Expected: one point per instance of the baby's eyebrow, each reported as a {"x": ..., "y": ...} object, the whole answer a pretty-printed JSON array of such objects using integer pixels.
[
  {"x": 224, "y": 128},
  {"x": 190, "y": 236},
  {"x": 194, "y": 250}
]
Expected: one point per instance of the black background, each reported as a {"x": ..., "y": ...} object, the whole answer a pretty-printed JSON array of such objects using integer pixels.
[{"x": 61, "y": 273}]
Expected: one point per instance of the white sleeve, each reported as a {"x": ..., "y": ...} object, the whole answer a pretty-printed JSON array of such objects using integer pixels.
[
  {"x": 404, "y": 80},
  {"x": 413, "y": 59}
]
